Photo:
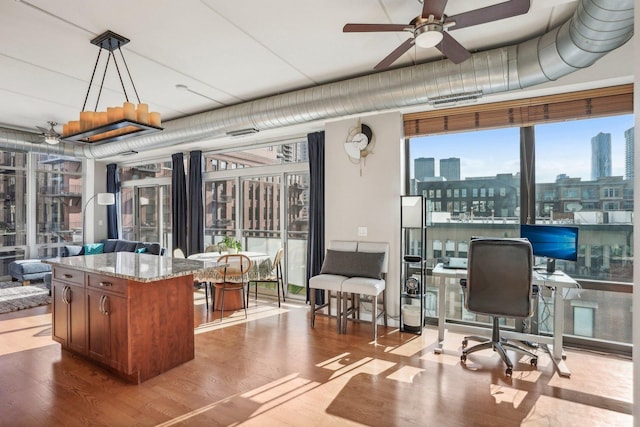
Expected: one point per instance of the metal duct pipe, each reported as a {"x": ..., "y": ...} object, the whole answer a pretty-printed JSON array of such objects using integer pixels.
[
  {"x": 596, "y": 28},
  {"x": 16, "y": 140}
]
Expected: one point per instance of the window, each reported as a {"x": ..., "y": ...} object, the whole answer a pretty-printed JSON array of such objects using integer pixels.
[
  {"x": 565, "y": 193},
  {"x": 59, "y": 201}
]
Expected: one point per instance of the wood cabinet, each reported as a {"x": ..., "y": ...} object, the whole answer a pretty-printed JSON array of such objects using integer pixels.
[
  {"x": 69, "y": 311},
  {"x": 137, "y": 329}
]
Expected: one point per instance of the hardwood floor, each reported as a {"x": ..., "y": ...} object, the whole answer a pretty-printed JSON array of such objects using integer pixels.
[{"x": 273, "y": 370}]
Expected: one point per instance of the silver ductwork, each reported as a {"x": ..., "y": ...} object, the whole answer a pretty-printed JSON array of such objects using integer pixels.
[
  {"x": 16, "y": 140},
  {"x": 596, "y": 28}
]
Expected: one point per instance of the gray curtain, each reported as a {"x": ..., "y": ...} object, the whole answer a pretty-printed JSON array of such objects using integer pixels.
[
  {"x": 113, "y": 186},
  {"x": 315, "y": 242},
  {"x": 179, "y": 203},
  {"x": 196, "y": 209}
]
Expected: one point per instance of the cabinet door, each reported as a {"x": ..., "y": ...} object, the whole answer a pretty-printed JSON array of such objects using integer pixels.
[
  {"x": 98, "y": 329},
  {"x": 77, "y": 339},
  {"x": 69, "y": 316},
  {"x": 60, "y": 329},
  {"x": 107, "y": 328}
]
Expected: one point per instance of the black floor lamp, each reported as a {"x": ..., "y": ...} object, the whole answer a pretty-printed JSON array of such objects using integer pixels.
[{"x": 103, "y": 199}]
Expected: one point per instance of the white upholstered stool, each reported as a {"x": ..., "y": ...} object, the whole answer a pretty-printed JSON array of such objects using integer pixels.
[
  {"x": 372, "y": 287},
  {"x": 330, "y": 283}
]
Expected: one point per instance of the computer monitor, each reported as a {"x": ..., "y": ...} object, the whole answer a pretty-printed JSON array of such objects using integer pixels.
[{"x": 552, "y": 241}]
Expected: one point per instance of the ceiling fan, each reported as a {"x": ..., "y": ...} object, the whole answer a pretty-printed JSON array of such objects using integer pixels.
[
  {"x": 50, "y": 135},
  {"x": 428, "y": 29}
]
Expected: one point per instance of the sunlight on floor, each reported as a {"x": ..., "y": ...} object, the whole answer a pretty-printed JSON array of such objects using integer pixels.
[{"x": 36, "y": 334}]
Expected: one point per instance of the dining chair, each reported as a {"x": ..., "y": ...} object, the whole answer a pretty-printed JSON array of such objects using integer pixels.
[
  {"x": 232, "y": 273},
  {"x": 177, "y": 253},
  {"x": 211, "y": 248},
  {"x": 275, "y": 276}
]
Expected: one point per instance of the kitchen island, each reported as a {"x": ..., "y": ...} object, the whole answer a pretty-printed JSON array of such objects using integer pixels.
[{"x": 130, "y": 313}]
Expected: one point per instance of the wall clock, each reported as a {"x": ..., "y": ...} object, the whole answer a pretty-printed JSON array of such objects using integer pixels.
[{"x": 358, "y": 143}]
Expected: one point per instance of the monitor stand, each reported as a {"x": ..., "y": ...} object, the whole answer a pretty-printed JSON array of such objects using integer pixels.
[{"x": 551, "y": 265}]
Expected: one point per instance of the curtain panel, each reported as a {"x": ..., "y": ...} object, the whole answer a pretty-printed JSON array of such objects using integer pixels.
[
  {"x": 315, "y": 242},
  {"x": 196, "y": 208},
  {"x": 113, "y": 186},
  {"x": 179, "y": 203}
]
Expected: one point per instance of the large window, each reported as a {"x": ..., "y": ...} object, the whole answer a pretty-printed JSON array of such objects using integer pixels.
[
  {"x": 583, "y": 176},
  {"x": 13, "y": 218},
  {"x": 58, "y": 202},
  {"x": 261, "y": 196}
]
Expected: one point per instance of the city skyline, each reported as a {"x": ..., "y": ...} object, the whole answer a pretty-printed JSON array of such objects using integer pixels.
[{"x": 490, "y": 152}]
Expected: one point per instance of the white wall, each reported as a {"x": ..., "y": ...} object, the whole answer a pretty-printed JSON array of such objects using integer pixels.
[{"x": 369, "y": 199}]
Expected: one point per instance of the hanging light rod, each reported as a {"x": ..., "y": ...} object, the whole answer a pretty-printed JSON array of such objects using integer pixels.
[{"x": 116, "y": 123}]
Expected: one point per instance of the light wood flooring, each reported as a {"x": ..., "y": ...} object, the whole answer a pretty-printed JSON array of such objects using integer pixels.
[{"x": 273, "y": 370}]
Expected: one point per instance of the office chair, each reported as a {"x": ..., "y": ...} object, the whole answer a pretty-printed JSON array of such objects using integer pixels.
[{"x": 499, "y": 284}]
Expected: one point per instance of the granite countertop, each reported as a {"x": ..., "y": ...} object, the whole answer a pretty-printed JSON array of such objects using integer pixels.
[{"x": 132, "y": 266}]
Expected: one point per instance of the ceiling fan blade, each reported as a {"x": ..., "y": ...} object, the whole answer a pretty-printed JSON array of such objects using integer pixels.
[
  {"x": 452, "y": 49},
  {"x": 433, "y": 7},
  {"x": 365, "y": 28},
  {"x": 41, "y": 129},
  {"x": 397, "y": 53},
  {"x": 496, "y": 12}
]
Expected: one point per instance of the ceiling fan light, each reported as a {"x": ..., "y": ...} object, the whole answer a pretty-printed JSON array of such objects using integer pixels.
[
  {"x": 428, "y": 36},
  {"x": 51, "y": 140}
]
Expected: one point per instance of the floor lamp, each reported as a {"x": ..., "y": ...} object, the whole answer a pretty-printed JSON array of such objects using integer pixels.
[{"x": 103, "y": 199}]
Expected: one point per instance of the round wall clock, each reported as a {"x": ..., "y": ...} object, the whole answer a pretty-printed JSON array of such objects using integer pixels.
[{"x": 357, "y": 142}]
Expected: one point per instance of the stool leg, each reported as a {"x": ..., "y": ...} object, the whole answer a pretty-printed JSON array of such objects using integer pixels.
[
  {"x": 312, "y": 302},
  {"x": 345, "y": 309},
  {"x": 374, "y": 317},
  {"x": 384, "y": 306},
  {"x": 338, "y": 311}
]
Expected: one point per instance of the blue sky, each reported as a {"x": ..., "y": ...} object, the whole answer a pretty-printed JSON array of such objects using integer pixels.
[{"x": 560, "y": 148}]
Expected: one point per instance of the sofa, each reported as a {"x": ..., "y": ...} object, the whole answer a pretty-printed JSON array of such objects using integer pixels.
[{"x": 113, "y": 245}]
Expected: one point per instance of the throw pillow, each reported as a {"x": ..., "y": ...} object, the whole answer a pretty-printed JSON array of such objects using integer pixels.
[
  {"x": 73, "y": 250},
  {"x": 141, "y": 250},
  {"x": 93, "y": 248},
  {"x": 353, "y": 264}
]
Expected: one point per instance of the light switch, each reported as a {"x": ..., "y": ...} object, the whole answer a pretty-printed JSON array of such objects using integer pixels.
[{"x": 362, "y": 231}]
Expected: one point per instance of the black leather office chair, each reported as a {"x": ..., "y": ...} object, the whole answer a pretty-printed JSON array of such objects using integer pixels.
[{"x": 499, "y": 284}]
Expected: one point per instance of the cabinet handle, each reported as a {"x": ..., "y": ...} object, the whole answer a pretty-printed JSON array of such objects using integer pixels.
[
  {"x": 64, "y": 295},
  {"x": 67, "y": 275},
  {"x": 105, "y": 284},
  {"x": 100, "y": 309},
  {"x": 105, "y": 304},
  {"x": 67, "y": 294}
]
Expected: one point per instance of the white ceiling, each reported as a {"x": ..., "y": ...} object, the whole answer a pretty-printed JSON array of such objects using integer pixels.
[{"x": 226, "y": 52}]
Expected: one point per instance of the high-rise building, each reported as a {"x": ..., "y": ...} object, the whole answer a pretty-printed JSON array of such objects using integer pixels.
[
  {"x": 450, "y": 168},
  {"x": 600, "y": 156},
  {"x": 424, "y": 168},
  {"x": 628, "y": 153}
]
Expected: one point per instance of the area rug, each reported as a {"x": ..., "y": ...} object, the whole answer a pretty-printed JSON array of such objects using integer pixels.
[{"x": 14, "y": 296}]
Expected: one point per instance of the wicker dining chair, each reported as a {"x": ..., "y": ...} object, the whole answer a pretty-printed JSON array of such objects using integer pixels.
[{"x": 232, "y": 274}]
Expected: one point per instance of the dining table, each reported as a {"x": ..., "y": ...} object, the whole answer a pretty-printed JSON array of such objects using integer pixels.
[{"x": 261, "y": 266}]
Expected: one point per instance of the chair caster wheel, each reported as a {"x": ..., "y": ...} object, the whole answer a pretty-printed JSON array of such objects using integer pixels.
[
  {"x": 465, "y": 343},
  {"x": 509, "y": 372},
  {"x": 463, "y": 358},
  {"x": 534, "y": 363}
]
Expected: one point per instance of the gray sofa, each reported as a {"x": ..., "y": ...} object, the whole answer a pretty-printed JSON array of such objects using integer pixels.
[{"x": 117, "y": 245}]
